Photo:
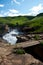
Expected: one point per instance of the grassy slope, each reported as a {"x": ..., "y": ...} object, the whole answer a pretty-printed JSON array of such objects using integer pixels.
[
  {"x": 37, "y": 23},
  {"x": 31, "y": 21},
  {"x": 14, "y": 20}
]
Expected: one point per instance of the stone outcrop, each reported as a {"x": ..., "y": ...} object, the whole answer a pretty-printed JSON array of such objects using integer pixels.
[{"x": 7, "y": 57}]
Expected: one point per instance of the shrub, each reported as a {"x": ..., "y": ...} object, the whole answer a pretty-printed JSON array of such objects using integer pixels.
[
  {"x": 36, "y": 37},
  {"x": 41, "y": 43},
  {"x": 20, "y": 51}
]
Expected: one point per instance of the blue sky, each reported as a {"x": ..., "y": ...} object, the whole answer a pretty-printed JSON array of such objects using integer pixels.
[{"x": 20, "y": 7}]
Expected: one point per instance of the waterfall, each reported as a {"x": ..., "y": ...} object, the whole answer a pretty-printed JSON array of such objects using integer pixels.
[{"x": 9, "y": 38}]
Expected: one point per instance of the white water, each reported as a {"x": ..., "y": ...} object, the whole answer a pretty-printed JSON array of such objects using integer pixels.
[{"x": 9, "y": 38}]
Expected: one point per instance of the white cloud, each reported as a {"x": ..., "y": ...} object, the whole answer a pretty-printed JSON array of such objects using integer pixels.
[
  {"x": 33, "y": 11},
  {"x": 23, "y": 14},
  {"x": 1, "y": 5},
  {"x": 36, "y": 9},
  {"x": 13, "y": 11},
  {"x": 1, "y": 15},
  {"x": 16, "y": 2},
  {"x": 11, "y": 14}
]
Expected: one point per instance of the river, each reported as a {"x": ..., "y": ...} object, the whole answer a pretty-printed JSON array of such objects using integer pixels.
[{"x": 10, "y": 38}]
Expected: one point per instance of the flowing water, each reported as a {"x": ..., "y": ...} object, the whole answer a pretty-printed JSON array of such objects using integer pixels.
[{"x": 10, "y": 38}]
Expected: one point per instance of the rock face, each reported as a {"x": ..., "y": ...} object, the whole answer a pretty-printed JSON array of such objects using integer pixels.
[
  {"x": 7, "y": 57},
  {"x": 13, "y": 59}
]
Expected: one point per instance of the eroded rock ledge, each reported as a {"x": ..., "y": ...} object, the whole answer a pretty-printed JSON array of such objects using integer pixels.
[{"x": 7, "y": 57}]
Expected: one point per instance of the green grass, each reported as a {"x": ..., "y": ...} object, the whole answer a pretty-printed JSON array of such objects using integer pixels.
[
  {"x": 36, "y": 37},
  {"x": 41, "y": 43},
  {"x": 20, "y": 51},
  {"x": 34, "y": 22},
  {"x": 37, "y": 24}
]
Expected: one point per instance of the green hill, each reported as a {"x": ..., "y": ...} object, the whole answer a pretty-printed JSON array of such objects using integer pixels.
[
  {"x": 41, "y": 14},
  {"x": 14, "y": 20},
  {"x": 34, "y": 22},
  {"x": 37, "y": 24}
]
